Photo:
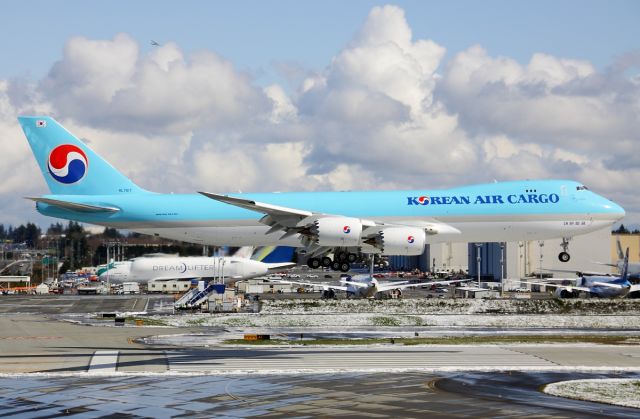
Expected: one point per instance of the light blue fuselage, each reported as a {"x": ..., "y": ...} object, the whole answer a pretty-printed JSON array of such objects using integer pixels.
[{"x": 505, "y": 211}]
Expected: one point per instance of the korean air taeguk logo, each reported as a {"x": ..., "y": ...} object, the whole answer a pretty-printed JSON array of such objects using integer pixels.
[
  {"x": 346, "y": 229},
  {"x": 68, "y": 164}
]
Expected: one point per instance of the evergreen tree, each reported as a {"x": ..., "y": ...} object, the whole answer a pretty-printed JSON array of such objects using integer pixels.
[
  {"x": 55, "y": 229},
  {"x": 621, "y": 230},
  {"x": 111, "y": 233}
]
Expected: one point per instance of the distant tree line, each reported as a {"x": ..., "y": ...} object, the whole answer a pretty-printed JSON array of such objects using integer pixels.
[
  {"x": 76, "y": 247},
  {"x": 623, "y": 230},
  {"x": 28, "y": 234}
]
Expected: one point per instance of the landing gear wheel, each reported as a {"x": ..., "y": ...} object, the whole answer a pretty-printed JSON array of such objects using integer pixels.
[
  {"x": 313, "y": 263},
  {"x": 326, "y": 261},
  {"x": 344, "y": 266},
  {"x": 341, "y": 256},
  {"x": 352, "y": 257},
  {"x": 564, "y": 257},
  {"x": 335, "y": 266}
]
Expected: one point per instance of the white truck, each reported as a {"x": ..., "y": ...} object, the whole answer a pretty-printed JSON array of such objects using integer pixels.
[{"x": 130, "y": 288}]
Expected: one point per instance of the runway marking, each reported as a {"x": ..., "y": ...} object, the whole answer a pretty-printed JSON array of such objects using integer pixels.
[{"x": 104, "y": 361}]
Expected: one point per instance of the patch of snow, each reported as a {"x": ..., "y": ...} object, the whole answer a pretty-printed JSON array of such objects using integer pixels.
[
  {"x": 617, "y": 391},
  {"x": 313, "y": 320}
]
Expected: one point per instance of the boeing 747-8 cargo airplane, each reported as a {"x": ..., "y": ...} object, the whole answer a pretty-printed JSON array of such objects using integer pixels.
[{"x": 84, "y": 187}]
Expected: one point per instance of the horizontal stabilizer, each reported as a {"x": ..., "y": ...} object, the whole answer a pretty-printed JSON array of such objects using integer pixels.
[
  {"x": 74, "y": 206},
  {"x": 634, "y": 288},
  {"x": 277, "y": 266}
]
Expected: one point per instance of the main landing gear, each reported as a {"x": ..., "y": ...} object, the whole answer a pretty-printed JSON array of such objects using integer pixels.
[
  {"x": 564, "y": 256},
  {"x": 341, "y": 261}
]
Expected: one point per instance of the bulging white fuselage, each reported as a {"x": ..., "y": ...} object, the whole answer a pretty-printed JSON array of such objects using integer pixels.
[{"x": 145, "y": 269}]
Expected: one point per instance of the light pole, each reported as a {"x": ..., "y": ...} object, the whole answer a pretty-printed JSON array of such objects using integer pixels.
[
  {"x": 478, "y": 259},
  {"x": 541, "y": 244},
  {"x": 502, "y": 245},
  {"x": 108, "y": 282}
]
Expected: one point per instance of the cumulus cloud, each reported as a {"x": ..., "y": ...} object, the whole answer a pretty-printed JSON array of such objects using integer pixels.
[
  {"x": 109, "y": 85},
  {"x": 388, "y": 111}
]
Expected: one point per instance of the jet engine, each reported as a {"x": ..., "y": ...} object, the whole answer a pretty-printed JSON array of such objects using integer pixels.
[
  {"x": 337, "y": 231},
  {"x": 564, "y": 293},
  {"x": 406, "y": 241}
]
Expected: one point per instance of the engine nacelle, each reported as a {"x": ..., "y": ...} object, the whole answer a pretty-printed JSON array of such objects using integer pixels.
[
  {"x": 564, "y": 293},
  {"x": 405, "y": 241},
  {"x": 337, "y": 231}
]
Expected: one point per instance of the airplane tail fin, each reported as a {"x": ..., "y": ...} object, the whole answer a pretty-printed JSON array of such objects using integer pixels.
[
  {"x": 274, "y": 254},
  {"x": 68, "y": 165},
  {"x": 625, "y": 266}
]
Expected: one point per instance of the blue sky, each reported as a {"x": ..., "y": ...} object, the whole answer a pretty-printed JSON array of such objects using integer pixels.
[
  {"x": 256, "y": 34},
  {"x": 344, "y": 95}
]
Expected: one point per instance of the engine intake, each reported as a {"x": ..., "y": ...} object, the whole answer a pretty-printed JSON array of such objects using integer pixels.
[
  {"x": 337, "y": 231},
  {"x": 405, "y": 241}
]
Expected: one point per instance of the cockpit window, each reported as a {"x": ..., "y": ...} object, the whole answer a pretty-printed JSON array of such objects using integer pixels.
[{"x": 582, "y": 188}]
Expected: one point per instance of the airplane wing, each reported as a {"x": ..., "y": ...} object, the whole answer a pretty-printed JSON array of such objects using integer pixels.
[
  {"x": 559, "y": 279},
  {"x": 447, "y": 282},
  {"x": 358, "y": 284},
  {"x": 74, "y": 206},
  {"x": 607, "y": 284},
  {"x": 322, "y": 285},
  {"x": 580, "y": 273},
  {"x": 567, "y": 287},
  {"x": 402, "y": 285},
  {"x": 386, "y": 286},
  {"x": 294, "y": 221}
]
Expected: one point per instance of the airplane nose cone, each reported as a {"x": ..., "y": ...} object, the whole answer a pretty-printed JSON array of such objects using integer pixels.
[{"x": 615, "y": 210}]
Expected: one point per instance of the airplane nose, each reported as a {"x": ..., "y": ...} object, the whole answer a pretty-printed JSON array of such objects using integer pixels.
[{"x": 615, "y": 210}]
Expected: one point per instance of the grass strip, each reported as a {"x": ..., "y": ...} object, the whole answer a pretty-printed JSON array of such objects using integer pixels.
[{"x": 449, "y": 340}]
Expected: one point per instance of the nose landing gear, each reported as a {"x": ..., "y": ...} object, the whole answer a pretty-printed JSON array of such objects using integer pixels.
[{"x": 564, "y": 256}]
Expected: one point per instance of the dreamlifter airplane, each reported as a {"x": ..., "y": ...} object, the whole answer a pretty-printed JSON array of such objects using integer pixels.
[{"x": 84, "y": 187}]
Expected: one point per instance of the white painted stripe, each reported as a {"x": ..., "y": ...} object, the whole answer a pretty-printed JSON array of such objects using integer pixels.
[{"x": 104, "y": 361}]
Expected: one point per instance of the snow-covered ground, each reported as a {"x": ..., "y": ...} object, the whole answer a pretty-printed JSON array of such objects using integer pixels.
[
  {"x": 455, "y": 306},
  {"x": 312, "y": 320},
  {"x": 593, "y": 313},
  {"x": 618, "y": 391}
]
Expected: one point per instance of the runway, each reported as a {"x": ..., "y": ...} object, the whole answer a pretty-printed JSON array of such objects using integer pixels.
[
  {"x": 34, "y": 343},
  {"x": 407, "y": 395}
]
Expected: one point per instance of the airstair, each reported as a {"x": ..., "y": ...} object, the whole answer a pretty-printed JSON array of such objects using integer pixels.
[{"x": 195, "y": 297}]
